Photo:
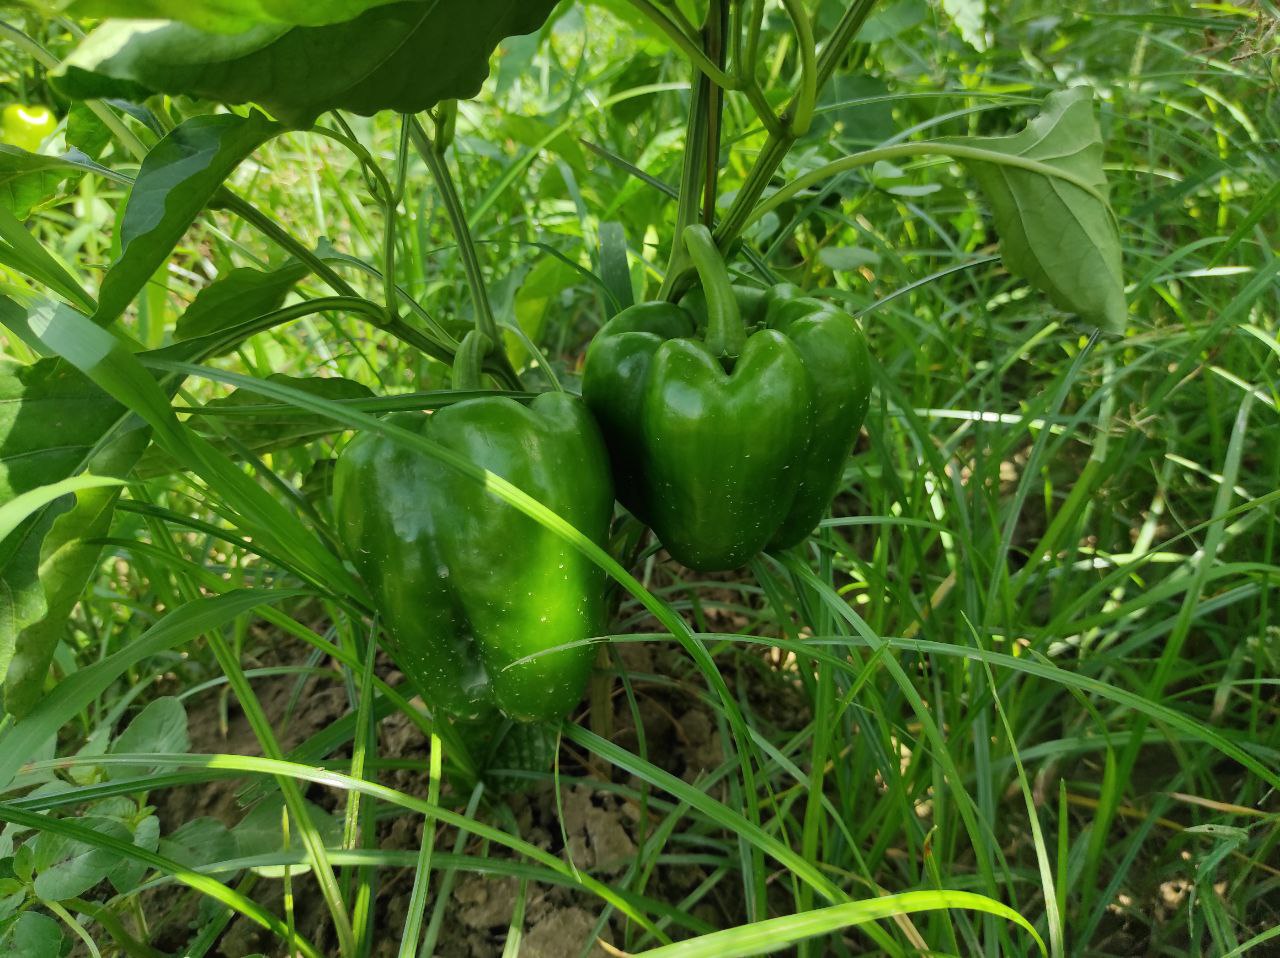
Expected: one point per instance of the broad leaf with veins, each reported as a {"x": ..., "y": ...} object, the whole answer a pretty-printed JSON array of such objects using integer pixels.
[
  {"x": 225, "y": 16},
  {"x": 1055, "y": 234},
  {"x": 405, "y": 56}
]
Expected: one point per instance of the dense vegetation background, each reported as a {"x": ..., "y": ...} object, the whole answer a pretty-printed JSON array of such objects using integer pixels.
[{"x": 1033, "y": 656}]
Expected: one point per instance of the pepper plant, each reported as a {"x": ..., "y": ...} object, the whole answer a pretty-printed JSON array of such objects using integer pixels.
[{"x": 472, "y": 530}]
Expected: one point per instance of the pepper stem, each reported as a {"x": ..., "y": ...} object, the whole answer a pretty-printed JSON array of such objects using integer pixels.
[
  {"x": 469, "y": 360},
  {"x": 726, "y": 333}
]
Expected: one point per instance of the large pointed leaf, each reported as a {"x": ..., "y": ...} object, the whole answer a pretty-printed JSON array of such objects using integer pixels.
[
  {"x": 65, "y": 563},
  {"x": 267, "y": 428},
  {"x": 1056, "y": 234},
  {"x": 20, "y": 251},
  {"x": 241, "y": 295},
  {"x": 20, "y": 508},
  {"x": 27, "y": 180},
  {"x": 54, "y": 425},
  {"x": 407, "y": 56},
  {"x": 52, "y": 420},
  {"x": 227, "y": 16},
  {"x": 177, "y": 179},
  {"x": 243, "y": 422}
]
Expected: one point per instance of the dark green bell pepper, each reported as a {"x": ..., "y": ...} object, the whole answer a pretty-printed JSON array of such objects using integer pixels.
[
  {"x": 728, "y": 432},
  {"x": 466, "y": 585}
]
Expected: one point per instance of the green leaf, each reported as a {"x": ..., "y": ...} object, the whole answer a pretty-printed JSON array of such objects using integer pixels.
[
  {"x": 67, "y": 561},
  {"x": 893, "y": 179},
  {"x": 405, "y": 56},
  {"x": 1057, "y": 235},
  {"x": 28, "y": 179},
  {"x": 262, "y": 831},
  {"x": 240, "y": 295},
  {"x": 17, "y": 510},
  {"x": 20, "y": 251},
  {"x": 32, "y": 936},
  {"x": 201, "y": 841},
  {"x": 86, "y": 132},
  {"x": 279, "y": 428},
  {"x": 866, "y": 124},
  {"x": 843, "y": 259},
  {"x": 24, "y": 863},
  {"x": 893, "y": 19},
  {"x": 243, "y": 421},
  {"x": 226, "y": 16},
  {"x": 177, "y": 179},
  {"x": 614, "y": 269},
  {"x": 160, "y": 727},
  {"x": 79, "y": 689},
  {"x": 127, "y": 873},
  {"x": 774, "y": 934},
  {"x": 66, "y": 868},
  {"x": 537, "y": 296},
  {"x": 54, "y": 425},
  {"x": 106, "y": 358}
]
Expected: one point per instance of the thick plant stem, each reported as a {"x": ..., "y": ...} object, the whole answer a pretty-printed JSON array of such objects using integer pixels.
[
  {"x": 698, "y": 178},
  {"x": 717, "y": 48},
  {"x": 691, "y": 181},
  {"x": 679, "y": 35},
  {"x": 780, "y": 143},
  {"x": 485, "y": 321},
  {"x": 273, "y": 231},
  {"x": 600, "y": 695},
  {"x": 726, "y": 334}
]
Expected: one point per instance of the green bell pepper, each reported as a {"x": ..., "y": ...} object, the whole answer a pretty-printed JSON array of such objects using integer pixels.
[
  {"x": 733, "y": 443},
  {"x": 27, "y": 127},
  {"x": 466, "y": 585}
]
